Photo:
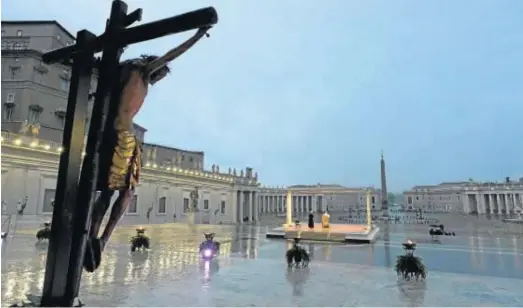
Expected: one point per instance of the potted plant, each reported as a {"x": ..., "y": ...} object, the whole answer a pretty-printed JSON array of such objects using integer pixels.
[{"x": 409, "y": 266}]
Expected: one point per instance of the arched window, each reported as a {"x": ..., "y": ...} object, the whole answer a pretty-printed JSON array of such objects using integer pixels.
[{"x": 18, "y": 46}]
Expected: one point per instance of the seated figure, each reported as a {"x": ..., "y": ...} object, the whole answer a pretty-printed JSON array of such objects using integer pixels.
[{"x": 325, "y": 220}]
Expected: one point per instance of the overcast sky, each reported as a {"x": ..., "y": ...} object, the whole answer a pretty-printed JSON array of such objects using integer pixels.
[{"x": 311, "y": 91}]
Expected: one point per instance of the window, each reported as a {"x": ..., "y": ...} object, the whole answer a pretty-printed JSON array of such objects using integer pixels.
[
  {"x": 373, "y": 199},
  {"x": 409, "y": 200},
  {"x": 10, "y": 98},
  {"x": 19, "y": 33},
  {"x": 39, "y": 75},
  {"x": 191, "y": 159},
  {"x": 58, "y": 37},
  {"x": 48, "y": 199},
  {"x": 133, "y": 207},
  {"x": 34, "y": 114},
  {"x": 61, "y": 120},
  {"x": 18, "y": 46},
  {"x": 161, "y": 205},
  {"x": 64, "y": 84},
  {"x": 8, "y": 113},
  {"x": 222, "y": 207},
  {"x": 14, "y": 71},
  {"x": 206, "y": 205},
  {"x": 185, "y": 205}
]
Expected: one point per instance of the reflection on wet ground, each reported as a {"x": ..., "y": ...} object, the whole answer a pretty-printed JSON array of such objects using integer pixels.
[{"x": 463, "y": 271}]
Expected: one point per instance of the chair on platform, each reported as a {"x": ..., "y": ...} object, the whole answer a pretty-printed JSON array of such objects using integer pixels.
[{"x": 325, "y": 220}]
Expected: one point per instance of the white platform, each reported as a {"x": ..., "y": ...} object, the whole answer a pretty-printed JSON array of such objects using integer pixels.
[{"x": 305, "y": 234}]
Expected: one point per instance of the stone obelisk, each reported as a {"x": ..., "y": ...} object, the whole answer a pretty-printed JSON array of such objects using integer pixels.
[{"x": 384, "y": 195}]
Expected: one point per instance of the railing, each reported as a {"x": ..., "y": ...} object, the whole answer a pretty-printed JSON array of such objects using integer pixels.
[
  {"x": 29, "y": 142},
  {"x": 32, "y": 142}
]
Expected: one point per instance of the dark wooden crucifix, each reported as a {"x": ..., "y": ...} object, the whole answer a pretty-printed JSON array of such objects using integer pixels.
[{"x": 113, "y": 155}]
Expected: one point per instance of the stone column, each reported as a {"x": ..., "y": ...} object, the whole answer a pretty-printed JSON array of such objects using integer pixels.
[
  {"x": 315, "y": 203},
  {"x": 251, "y": 204},
  {"x": 306, "y": 204},
  {"x": 234, "y": 194},
  {"x": 256, "y": 208},
  {"x": 479, "y": 203},
  {"x": 500, "y": 204},
  {"x": 507, "y": 203},
  {"x": 242, "y": 202},
  {"x": 466, "y": 204},
  {"x": 493, "y": 205}
]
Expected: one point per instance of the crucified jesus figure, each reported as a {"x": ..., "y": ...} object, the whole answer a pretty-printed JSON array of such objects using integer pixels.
[{"x": 121, "y": 161}]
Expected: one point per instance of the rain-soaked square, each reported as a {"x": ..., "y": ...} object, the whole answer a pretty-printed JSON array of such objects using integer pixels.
[
  {"x": 465, "y": 270},
  {"x": 271, "y": 125}
]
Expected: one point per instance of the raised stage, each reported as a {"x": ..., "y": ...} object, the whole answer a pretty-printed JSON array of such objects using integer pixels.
[{"x": 344, "y": 233}]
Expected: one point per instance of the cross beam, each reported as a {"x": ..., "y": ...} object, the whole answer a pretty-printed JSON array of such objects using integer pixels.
[
  {"x": 149, "y": 31},
  {"x": 76, "y": 182}
]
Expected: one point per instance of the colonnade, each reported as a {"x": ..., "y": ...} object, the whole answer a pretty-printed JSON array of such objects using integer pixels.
[
  {"x": 300, "y": 203},
  {"x": 251, "y": 204},
  {"x": 247, "y": 206},
  {"x": 493, "y": 203}
]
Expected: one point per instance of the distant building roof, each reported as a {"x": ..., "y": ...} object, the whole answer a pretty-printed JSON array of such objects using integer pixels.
[
  {"x": 37, "y": 22},
  {"x": 171, "y": 148}
]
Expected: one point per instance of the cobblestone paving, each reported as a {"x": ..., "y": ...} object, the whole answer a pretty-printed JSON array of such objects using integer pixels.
[{"x": 463, "y": 271}]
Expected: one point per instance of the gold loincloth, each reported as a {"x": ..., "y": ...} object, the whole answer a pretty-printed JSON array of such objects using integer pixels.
[{"x": 126, "y": 162}]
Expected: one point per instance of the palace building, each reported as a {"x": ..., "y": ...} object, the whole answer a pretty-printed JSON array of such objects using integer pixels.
[{"x": 468, "y": 197}]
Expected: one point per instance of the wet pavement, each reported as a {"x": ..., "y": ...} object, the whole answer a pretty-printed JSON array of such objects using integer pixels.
[{"x": 463, "y": 271}]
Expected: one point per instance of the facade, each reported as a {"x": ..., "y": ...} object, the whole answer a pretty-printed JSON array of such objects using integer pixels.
[
  {"x": 467, "y": 197},
  {"x": 30, "y": 168}
]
